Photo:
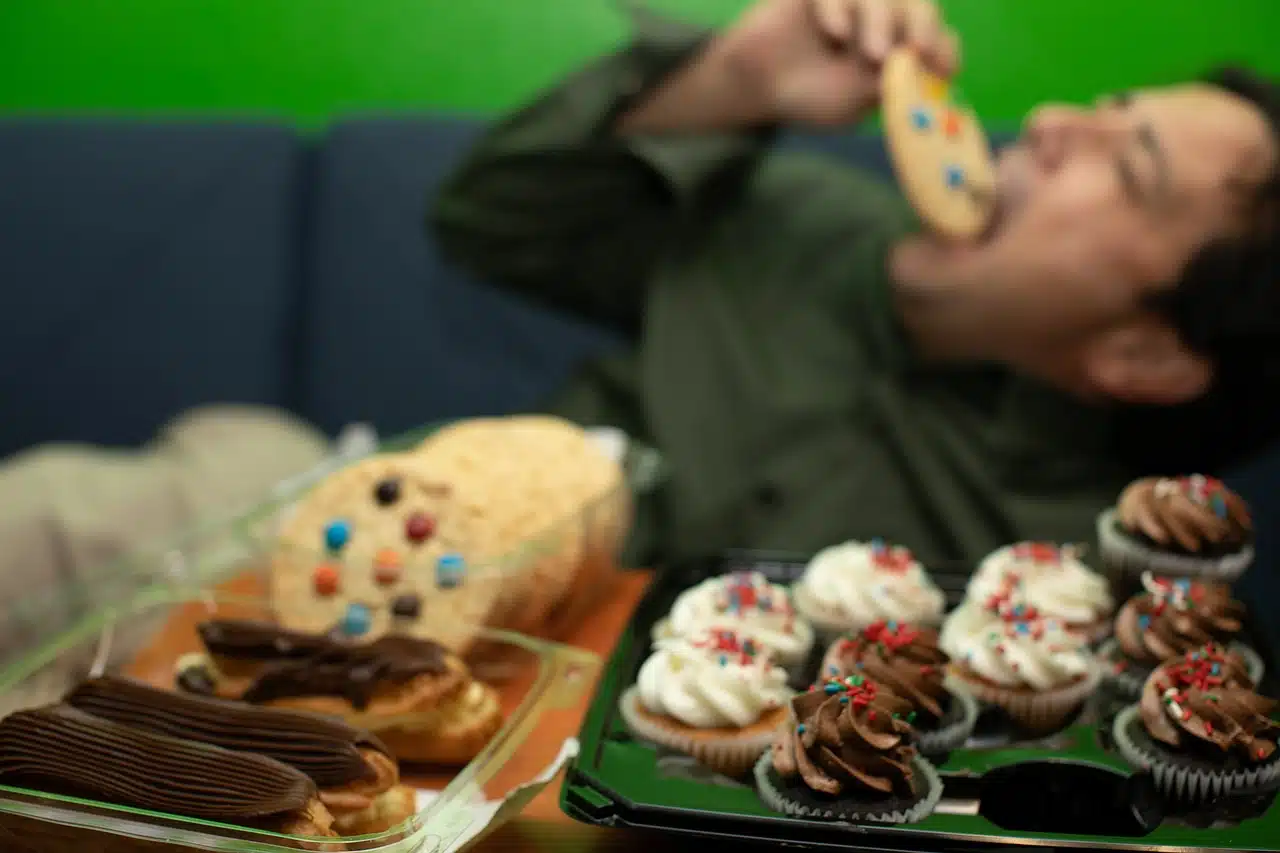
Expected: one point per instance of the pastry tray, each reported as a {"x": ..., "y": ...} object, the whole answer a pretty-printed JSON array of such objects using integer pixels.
[
  {"x": 1069, "y": 791},
  {"x": 143, "y": 618}
]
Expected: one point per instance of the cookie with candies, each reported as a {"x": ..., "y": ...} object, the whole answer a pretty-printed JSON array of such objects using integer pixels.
[
  {"x": 384, "y": 545},
  {"x": 939, "y": 150}
]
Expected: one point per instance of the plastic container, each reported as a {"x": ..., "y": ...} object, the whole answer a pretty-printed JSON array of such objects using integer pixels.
[
  {"x": 1068, "y": 791},
  {"x": 583, "y": 545},
  {"x": 145, "y": 618}
]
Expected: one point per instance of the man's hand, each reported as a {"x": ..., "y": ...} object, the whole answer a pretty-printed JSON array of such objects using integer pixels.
[{"x": 817, "y": 62}]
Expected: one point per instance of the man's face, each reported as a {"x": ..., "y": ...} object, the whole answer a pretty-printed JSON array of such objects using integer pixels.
[{"x": 1100, "y": 207}]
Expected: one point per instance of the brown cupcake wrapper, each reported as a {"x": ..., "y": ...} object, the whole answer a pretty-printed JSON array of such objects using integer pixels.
[
  {"x": 1039, "y": 712},
  {"x": 1175, "y": 778},
  {"x": 1125, "y": 555},
  {"x": 732, "y": 755}
]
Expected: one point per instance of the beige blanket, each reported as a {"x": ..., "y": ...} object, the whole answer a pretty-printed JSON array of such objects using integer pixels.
[{"x": 66, "y": 511}]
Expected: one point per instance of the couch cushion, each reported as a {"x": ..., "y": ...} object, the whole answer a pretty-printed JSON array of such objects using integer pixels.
[
  {"x": 147, "y": 268},
  {"x": 394, "y": 336}
]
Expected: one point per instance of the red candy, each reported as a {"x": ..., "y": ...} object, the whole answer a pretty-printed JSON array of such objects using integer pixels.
[
  {"x": 326, "y": 579},
  {"x": 1037, "y": 552},
  {"x": 419, "y": 527}
]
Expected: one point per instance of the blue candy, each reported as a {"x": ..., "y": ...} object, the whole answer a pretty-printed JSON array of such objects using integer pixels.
[
  {"x": 337, "y": 534},
  {"x": 357, "y": 620},
  {"x": 450, "y": 569},
  {"x": 955, "y": 177},
  {"x": 920, "y": 119}
]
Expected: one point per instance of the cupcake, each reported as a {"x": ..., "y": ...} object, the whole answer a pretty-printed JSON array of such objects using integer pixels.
[
  {"x": 1050, "y": 578},
  {"x": 845, "y": 754},
  {"x": 847, "y": 587},
  {"x": 908, "y": 661},
  {"x": 1184, "y": 527},
  {"x": 1201, "y": 729},
  {"x": 744, "y": 602},
  {"x": 1030, "y": 667},
  {"x": 715, "y": 695},
  {"x": 1170, "y": 618}
]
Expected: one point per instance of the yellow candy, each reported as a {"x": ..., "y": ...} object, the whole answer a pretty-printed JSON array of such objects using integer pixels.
[{"x": 935, "y": 88}]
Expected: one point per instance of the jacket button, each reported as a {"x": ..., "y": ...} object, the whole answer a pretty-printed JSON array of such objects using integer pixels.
[{"x": 768, "y": 495}]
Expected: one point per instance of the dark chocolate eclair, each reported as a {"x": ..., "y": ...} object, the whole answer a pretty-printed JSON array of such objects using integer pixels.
[
  {"x": 245, "y": 639},
  {"x": 325, "y": 748},
  {"x": 63, "y": 750}
]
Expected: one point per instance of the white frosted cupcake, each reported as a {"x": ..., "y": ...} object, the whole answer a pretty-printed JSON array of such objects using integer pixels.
[
  {"x": 1034, "y": 669},
  {"x": 715, "y": 695},
  {"x": 847, "y": 587},
  {"x": 1049, "y": 578},
  {"x": 745, "y": 602}
]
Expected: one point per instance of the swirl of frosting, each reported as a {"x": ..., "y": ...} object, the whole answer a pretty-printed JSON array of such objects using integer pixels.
[
  {"x": 1175, "y": 616},
  {"x": 858, "y": 583},
  {"x": 1017, "y": 648},
  {"x": 903, "y": 658},
  {"x": 848, "y": 735},
  {"x": 1205, "y": 698},
  {"x": 745, "y": 602},
  {"x": 1192, "y": 513},
  {"x": 716, "y": 678},
  {"x": 1050, "y": 578}
]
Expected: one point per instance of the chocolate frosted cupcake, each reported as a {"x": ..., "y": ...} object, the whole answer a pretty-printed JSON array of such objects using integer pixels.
[
  {"x": 1172, "y": 617},
  {"x": 1201, "y": 729},
  {"x": 908, "y": 661},
  {"x": 846, "y": 754},
  {"x": 1184, "y": 527}
]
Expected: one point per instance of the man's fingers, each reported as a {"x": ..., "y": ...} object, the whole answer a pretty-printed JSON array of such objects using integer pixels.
[
  {"x": 835, "y": 19},
  {"x": 920, "y": 24},
  {"x": 944, "y": 55},
  {"x": 875, "y": 27}
]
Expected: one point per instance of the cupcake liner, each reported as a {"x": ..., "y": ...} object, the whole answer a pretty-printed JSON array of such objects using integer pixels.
[
  {"x": 1181, "y": 777},
  {"x": 1039, "y": 712},
  {"x": 798, "y": 801},
  {"x": 957, "y": 723},
  {"x": 732, "y": 755},
  {"x": 1126, "y": 682},
  {"x": 1127, "y": 555}
]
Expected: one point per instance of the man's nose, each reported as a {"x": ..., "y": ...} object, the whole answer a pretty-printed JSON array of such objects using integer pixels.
[{"x": 1053, "y": 131}]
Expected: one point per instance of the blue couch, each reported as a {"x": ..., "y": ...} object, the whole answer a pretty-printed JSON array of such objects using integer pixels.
[{"x": 150, "y": 267}]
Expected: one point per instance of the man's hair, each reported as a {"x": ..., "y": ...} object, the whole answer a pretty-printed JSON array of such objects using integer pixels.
[{"x": 1226, "y": 306}]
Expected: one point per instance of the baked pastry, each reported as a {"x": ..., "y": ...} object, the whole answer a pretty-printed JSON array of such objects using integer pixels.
[
  {"x": 1171, "y": 617},
  {"x": 1201, "y": 729},
  {"x": 1052, "y": 579},
  {"x": 845, "y": 754},
  {"x": 908, "y": 661},
  {"x": 745, "y": 602},
  {"x": 62, "y": 750},
  {"x": 717, "y": 696},
  {"x": 1191, "y": 526},
  {"x": 847, "y": 587},
  {"x": 416, "y": 696},
  {"x": 1030, "y": 667},
  {"x": 355, "y": 774},
  {"x": 376, "y": 537}
]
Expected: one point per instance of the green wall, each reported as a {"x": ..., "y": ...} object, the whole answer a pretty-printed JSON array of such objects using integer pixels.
[{"x": 311, "y": 59}]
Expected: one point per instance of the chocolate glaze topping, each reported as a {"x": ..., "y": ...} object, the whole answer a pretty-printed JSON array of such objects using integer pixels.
[
  {"x": 324, "y": 748},
  {"x": 848, "y": 736},
  {"x": 244, "y": 639},
  {"x": 62, "y": 750}
]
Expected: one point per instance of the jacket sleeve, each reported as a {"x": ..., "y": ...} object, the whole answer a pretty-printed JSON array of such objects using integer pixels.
[{"x": 554, "y": 205}]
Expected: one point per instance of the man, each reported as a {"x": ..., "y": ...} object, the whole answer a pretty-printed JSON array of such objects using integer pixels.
[{"x": 813, "y": 367}]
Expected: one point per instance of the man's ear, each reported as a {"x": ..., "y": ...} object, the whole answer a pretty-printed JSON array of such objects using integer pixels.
[{"x": 1147, "y": 364}]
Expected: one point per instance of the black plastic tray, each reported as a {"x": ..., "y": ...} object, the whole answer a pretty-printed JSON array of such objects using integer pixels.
[{"x": 1069, "y": 791}]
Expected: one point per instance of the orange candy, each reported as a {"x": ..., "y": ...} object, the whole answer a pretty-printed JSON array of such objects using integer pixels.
[
  {"x": 951, "y": 125},
  {"x": 386, "y": 567},
  {"x": 326, "y": 579}
]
